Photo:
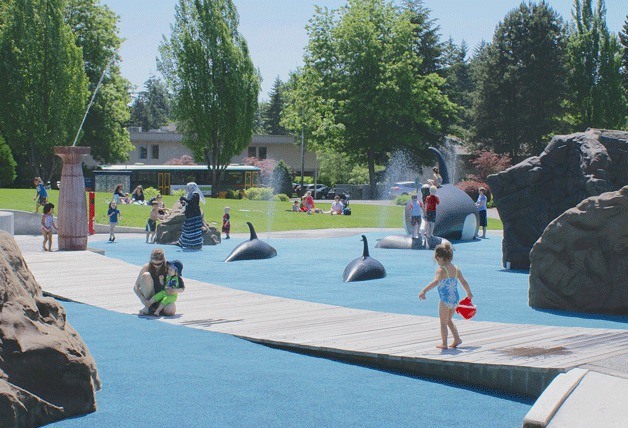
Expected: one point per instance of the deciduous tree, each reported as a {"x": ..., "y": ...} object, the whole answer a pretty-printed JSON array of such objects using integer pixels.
[
  {"x": 43, "y": 85},
  {"x": 361, "y": 90},
  {"x": 596, "y": 97},
  {"x": 7, "y": 165},
  {"x": 215, "y": 86},
  {"x": 95, "y": 28}
]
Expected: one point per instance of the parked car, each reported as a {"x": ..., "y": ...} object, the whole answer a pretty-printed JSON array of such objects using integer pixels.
[
  {"x": 401, "y": 188},
  {"x": 319, "y": 191},
  {"x": 333, "y": 192}
]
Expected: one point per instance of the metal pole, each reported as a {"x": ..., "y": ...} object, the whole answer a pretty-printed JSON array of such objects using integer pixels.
[{"x": 302, "y": 156}]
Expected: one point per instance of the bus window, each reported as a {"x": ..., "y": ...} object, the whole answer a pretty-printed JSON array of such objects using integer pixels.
[
  {"x": 251, "y": 179},
  {"x": 163, "y": 182}
]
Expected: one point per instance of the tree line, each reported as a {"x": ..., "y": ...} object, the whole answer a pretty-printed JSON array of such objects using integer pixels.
[{"x": 376, "y": 79}]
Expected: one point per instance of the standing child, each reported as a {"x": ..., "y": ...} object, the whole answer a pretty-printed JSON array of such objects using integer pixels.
[
  {"x": 226, "y": 223},
  {"x": 114, "y": 215},
  {"x": 47, "y": 224},
  {"x": 151, "y": 223},
  {"x": 430, "y": 214},
  {"x": 415, "y": 219},
  {"x": 446, "y": 279},
  {"x": 42, "y": 193},
  {"x": 173, "y": 284},
  {"x": 481, "y": 204}
]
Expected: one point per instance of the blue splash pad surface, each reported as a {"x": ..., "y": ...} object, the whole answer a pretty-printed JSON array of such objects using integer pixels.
[
  {"x": 311, "y": 269},
  {"x": 156, "y": 374}
]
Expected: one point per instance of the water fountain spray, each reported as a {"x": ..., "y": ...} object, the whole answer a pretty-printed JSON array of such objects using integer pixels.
[{"x": 102, "y": 76}]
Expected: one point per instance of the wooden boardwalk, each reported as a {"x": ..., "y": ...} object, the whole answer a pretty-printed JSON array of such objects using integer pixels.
[{"x": 518, "y": 359}]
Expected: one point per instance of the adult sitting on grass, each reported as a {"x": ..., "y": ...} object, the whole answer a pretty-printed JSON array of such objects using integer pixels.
[
  {"x": 337, "y": 207},
  {"x": 138, "y": 195},
  {"x": 119, "y": 196},
  {"x": 150, "y": 281}
]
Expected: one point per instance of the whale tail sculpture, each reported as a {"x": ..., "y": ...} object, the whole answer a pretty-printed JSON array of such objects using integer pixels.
[
  {"x": 364, "y": 268},
  {"x": 253, "y": 249},
  {"x": 442, "y": 165}
]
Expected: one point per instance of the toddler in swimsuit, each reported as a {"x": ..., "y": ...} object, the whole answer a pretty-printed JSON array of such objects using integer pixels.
[
  {"x": 173, "y": 285},
  {"x": 446, "y": 279},
  {"x": 47, "y": 224}
]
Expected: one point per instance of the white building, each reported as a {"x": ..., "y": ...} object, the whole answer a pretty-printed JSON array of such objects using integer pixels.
[{"x": 158, "y": 147}]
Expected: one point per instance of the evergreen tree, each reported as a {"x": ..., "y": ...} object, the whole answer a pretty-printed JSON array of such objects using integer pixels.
[
  {"x": 459, "y": 86},
  {"x": 597, "y": 97},
  {"x": 151, "y": 107},
  {"x": 274, "y": 108},
  {"x": 623, "y": 39},
  {"x": 520, "y": 82},
  {"x": 282, "y": 179},
  {"x": 259, "y": 121},
  {"x": 427, "y": 43},
  {"x": 209, "y": 71}
]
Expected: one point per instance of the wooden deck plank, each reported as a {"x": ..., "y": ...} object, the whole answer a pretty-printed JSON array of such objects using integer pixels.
[{"x": 107, "y": 283}]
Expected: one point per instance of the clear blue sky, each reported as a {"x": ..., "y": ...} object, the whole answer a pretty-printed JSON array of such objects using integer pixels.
[{"x": 275, "y": 29}]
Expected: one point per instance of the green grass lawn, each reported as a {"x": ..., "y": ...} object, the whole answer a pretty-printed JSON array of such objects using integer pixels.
[{"x": 264, "y": 215}]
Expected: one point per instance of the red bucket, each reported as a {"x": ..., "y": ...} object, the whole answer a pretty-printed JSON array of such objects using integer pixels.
[{"x": 466, "y": 308}]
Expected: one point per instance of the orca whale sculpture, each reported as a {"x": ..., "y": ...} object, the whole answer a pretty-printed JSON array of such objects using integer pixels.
[
  {"x": 407, "y": 242},
  {"x": 456, "y": 216},
  {"x": 253, "y": 249},
  {"x": 364, "y": 268}
]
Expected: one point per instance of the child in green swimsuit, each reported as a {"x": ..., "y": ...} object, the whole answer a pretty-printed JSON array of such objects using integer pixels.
[{"x": 173, "y": 284}]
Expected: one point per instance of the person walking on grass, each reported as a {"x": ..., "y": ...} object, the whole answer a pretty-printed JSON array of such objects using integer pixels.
[
  {"x": 47, "y": 224},
  {"x": 481, "y": 204},
  {"x": 446, "y": 279},
  {"x": 42, "y": 194},
  {"x": 226, "y": 223},
  {"x": 114, "y": 215}
]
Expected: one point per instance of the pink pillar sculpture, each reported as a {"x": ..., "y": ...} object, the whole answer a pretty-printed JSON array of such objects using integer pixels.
[{"x": 72, "y": 209}]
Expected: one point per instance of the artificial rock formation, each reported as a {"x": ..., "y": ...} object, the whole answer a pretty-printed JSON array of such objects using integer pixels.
[
  {"x": 580, "y": 263},
  {"x": 46, "y": 371},
  {"x": 169, "y": 229},
  {"x": 534, "y": 192}
]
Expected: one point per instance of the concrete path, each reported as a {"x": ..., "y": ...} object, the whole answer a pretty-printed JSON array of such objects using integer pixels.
[{"x": 519, "y": 359}]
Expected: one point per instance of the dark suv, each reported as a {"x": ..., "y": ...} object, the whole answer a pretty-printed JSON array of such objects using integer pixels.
[{"x": 333, "y": 192}]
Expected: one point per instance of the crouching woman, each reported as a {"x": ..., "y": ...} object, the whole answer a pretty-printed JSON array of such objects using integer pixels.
[{"x": 150, "y": 281}]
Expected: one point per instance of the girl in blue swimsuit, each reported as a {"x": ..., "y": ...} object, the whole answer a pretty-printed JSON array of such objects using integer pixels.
[{"x": 446, "y": 279}]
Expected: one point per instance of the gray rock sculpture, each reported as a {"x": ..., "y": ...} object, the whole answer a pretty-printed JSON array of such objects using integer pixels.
[
  {"x": 580, "y": 263},
  {"x": 169, "y": 230},
  {"x": 531, "y": 194},
  {"x": 46, "y": 371}
]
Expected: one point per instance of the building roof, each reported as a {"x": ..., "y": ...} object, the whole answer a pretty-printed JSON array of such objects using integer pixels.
[
  {"x": 142, "y": 167},
  {"x": 174, "y": 137}
]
